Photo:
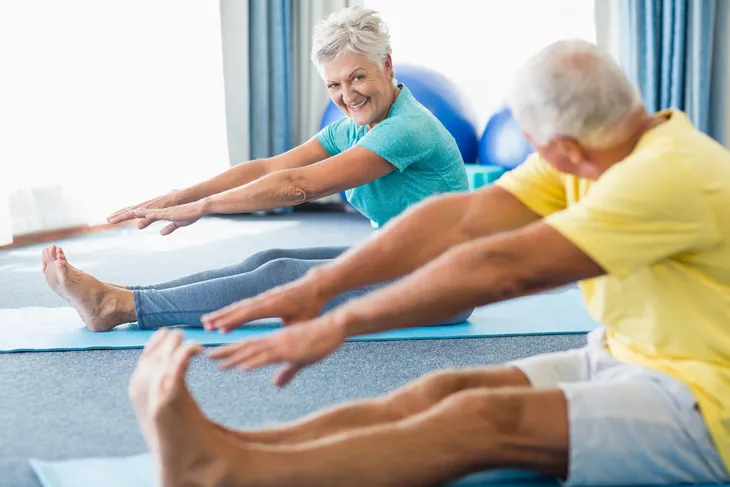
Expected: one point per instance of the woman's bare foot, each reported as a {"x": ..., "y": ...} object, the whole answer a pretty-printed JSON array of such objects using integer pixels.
[
  {"x": 49, "y": 255},
  {"x": 190, "y": 450},
  {"x": 101, "y": 306}
]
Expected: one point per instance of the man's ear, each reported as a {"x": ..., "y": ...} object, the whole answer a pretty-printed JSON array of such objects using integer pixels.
[{"x": 573, "y": 151}]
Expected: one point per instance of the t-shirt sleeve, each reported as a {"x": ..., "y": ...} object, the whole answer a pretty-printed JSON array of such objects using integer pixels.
[
  {"x": 400, "y": 141},
  {"x": 638, "y": 215},
  {"x": 537, "y": 185},
  {"x": 330, "y": 135}
]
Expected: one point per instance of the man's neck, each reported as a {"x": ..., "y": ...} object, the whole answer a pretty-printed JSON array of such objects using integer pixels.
[{"x": 640, "y": 123}]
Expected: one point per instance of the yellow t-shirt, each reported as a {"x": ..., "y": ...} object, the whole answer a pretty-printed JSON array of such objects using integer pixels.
[{"x": 659, "y": 223}]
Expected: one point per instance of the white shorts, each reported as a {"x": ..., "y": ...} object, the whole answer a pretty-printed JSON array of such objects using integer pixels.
[{"x": 628, "y": 424}]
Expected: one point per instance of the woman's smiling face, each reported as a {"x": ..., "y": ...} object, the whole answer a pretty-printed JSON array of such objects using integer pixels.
[{"x": 360, "y": 88}]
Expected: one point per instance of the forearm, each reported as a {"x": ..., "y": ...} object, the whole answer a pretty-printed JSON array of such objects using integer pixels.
[
  {"x": 480, "y": 272},
  {"x": 227, "y": 180},
  {"x": 276, "y": 190},
  {"x": 413, "y": 239},
  {"x": 461, "y": 279},
  {"x": 420, "y": 235}
]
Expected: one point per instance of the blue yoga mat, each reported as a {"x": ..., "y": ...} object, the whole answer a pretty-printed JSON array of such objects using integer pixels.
[
  {"x": 52, "y": 329},
  {"x": 138, "y": 471}
]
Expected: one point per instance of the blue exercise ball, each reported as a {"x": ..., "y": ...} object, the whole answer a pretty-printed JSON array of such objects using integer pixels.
[
  {"x": 441, "y": 97},
  {"x": 331, "y": 114},
  {"x": 503, "y": 143}
]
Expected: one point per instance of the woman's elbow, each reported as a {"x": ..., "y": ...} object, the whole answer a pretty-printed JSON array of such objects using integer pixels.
[
  {"x": 295, "y": 189},
  {"x": 296, "y": 194}
]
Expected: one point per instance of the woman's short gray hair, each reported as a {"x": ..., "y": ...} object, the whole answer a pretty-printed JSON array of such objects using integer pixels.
[
  {"x": 353, "y": 30},
  {"x": 572, "y": 88}
]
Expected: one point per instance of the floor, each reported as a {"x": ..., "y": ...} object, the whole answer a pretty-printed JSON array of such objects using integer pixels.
[{"x": 62, "y": 405}]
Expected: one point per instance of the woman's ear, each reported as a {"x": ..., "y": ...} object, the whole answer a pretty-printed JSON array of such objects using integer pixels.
[{"x": 388, "y": 66}]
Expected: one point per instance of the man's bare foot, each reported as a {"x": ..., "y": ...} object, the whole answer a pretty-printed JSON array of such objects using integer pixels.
[
  {"x": 101, "y": 306},
  {"x": 190, "y": 450}
]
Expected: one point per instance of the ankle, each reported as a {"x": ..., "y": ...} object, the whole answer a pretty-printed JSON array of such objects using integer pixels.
[{"x": 120, "y": 303}]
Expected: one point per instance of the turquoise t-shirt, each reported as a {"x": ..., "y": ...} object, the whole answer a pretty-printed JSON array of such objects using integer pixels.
[{"x": 412, "y": 139}]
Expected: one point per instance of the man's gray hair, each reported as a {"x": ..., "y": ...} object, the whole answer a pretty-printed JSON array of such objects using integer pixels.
[
  {"x": 572, "y": 88},
  {"x": 353, "y": 30}
]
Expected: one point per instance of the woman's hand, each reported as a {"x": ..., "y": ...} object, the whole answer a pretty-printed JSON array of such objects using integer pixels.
[
  {"x": 179, "y": 216},
  {"x": 165, "y": 201}
]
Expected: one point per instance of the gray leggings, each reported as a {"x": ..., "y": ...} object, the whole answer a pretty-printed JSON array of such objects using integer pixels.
[{"x": 183, "y": 301}]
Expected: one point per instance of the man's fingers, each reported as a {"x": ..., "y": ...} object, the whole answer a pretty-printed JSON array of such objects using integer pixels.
[
  {"x": 240, "y": 354},
  {"x": 266, "y": 356},
  {"x": 213, "y": 320},
  {"x": 224, "y": 351},
  {"x": 240, "y": 313},
  {"x": 154, "y": 341},
  {"x": 287, "y": 374}
]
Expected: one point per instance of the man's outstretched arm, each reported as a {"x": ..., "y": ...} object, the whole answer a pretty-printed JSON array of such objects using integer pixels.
[
  {"x": 416, "y": 237},
  {"x": 424, "y": 233},
  {"x": 476, "y": 273},
  {"x": 487, "y": 270}
]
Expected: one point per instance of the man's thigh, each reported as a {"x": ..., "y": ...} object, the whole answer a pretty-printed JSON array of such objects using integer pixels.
[{"x": 638, "y": 430}]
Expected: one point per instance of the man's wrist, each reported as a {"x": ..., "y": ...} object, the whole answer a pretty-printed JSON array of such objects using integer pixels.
[
  {"x": 342, "y": 322},
  {"x": 324, "y": 282}
]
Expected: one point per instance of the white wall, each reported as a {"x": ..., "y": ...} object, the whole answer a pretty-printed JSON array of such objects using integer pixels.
[
  {"x": 479, "y": 44},
  {"x": 234, "y": 21},
  {"x": 720, "y": 102},
  {"x": 607, "y": 26}
]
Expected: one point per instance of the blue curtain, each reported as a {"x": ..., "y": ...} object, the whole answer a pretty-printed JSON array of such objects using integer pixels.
[
  {"x": 270, "y": 78},
  {"x": 667, "y": 52}
]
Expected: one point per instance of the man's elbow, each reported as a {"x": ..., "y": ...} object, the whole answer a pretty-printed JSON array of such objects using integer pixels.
[{"x": 497, "y": 273}]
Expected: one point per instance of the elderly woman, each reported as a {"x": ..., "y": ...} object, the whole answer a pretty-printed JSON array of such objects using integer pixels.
[{"x": 388, "y": 153}]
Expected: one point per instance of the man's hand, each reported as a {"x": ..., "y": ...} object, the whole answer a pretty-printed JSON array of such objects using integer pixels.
[
  {"x": 180, "y": 216},
  {"x": 297, "y": 347},
  {"x": 295, "y": 302},
  {"x": 165, "y": 201}
]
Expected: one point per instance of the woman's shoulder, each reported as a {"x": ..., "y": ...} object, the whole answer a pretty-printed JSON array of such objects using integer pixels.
[{"x": 410, "y": 113}]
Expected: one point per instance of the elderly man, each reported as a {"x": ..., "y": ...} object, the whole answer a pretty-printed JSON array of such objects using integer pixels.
[{"x": 632, "y": 205}]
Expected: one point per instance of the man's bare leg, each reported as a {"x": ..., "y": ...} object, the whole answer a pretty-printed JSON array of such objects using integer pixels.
[
  {"x": 100, "y": 305},
  {"x": 470, "y": 431},
  {"x": 409, "y": 400}
]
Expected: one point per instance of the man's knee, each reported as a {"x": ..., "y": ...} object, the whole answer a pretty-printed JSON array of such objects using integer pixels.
[
  {"x": 439, "y": 385},
  {"x": 490, "y": 410}
]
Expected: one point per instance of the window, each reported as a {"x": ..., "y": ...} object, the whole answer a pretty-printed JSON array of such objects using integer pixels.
[
  {"x": 105, "y": 103},
  {"x": 479, "y": 44}
]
